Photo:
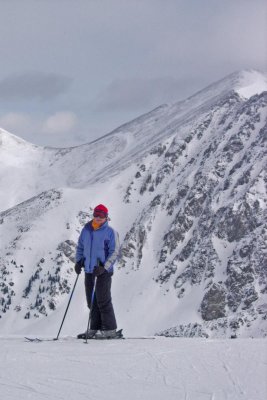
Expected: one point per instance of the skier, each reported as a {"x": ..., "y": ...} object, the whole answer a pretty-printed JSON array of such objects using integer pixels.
[{"x": 97, "y": 251}]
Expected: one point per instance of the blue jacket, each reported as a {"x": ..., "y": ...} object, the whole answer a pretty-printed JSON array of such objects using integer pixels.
[{"x": 101, "y": 244}]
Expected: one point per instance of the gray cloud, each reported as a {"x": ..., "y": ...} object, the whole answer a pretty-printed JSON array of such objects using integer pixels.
[
  {"x": 33, "y": 86},
  {"x": 140, "y": 93}
]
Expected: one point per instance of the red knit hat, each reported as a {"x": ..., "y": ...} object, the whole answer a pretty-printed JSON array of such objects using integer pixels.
[{"x": 101, "y": 210}]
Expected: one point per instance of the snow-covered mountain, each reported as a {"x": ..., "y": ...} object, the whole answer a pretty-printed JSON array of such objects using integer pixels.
[{"x": 186, "y": 188}]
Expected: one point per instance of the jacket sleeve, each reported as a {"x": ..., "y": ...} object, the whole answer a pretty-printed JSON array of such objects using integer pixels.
[
  {"x": 80, "y": 248},
  {"x": 114, "y": 248}
]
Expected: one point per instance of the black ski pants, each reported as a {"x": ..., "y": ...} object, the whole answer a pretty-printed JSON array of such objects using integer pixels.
[{"x": 102, "y": 312}]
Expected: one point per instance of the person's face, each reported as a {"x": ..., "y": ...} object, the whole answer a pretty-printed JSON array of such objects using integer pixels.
[{"x": 99, "y": 219}]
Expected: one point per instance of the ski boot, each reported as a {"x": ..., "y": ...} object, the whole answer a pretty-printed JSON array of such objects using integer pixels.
[{"x": 90, "y": 334}]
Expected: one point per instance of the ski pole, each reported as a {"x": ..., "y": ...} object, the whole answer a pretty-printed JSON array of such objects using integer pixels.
[
  {"x": 67, "y": 308},
  {"x": 91, "y": 308}
]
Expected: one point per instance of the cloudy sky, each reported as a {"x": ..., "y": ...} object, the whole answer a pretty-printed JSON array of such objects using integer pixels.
[{"x": 73, "y": 70}]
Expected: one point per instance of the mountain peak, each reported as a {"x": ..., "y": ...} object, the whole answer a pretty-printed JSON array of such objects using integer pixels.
[
  {"x": 10, "y": 141},
  {"x": 250, "y": 83}
]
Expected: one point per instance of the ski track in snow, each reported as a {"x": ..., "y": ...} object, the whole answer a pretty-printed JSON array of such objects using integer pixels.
[{"x": 165, "y": 368}]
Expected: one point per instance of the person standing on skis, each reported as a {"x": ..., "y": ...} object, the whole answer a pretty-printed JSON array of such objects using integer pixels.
[{"x": 97, "y": 251}]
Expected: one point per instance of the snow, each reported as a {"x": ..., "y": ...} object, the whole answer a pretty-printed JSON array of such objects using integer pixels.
[
  {"x": 224, "y": 250},
  {"x": 164, "y": 368},
  {"x": 251, "y": 83}
]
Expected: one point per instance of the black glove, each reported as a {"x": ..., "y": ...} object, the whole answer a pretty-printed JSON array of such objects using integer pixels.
[
  {"x": 78, "y": 266},
  {"x": 99, "y": 269}
]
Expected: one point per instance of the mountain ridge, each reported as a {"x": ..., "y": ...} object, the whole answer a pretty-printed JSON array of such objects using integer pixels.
[
  {"x": 119, "y": 144},
  {"x": 237, "y": 80}
]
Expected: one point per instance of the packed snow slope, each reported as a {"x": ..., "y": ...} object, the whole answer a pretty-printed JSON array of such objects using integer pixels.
[
  {"x": 186, "y": 188},
  {"x": 189, "y": 369}
]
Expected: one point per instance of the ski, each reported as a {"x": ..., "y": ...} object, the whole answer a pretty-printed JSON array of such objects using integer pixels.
[
  {"x": 119, "y": 336},
  {"x": 140, "y": 337},
  {"x": 38, "y": 340},
  {"x": 122, "y": 338},
  {"x": 32, "y": 339}
]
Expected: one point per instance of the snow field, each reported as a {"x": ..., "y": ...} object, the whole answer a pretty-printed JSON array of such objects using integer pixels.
[{"x": 165, "y": 368}]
